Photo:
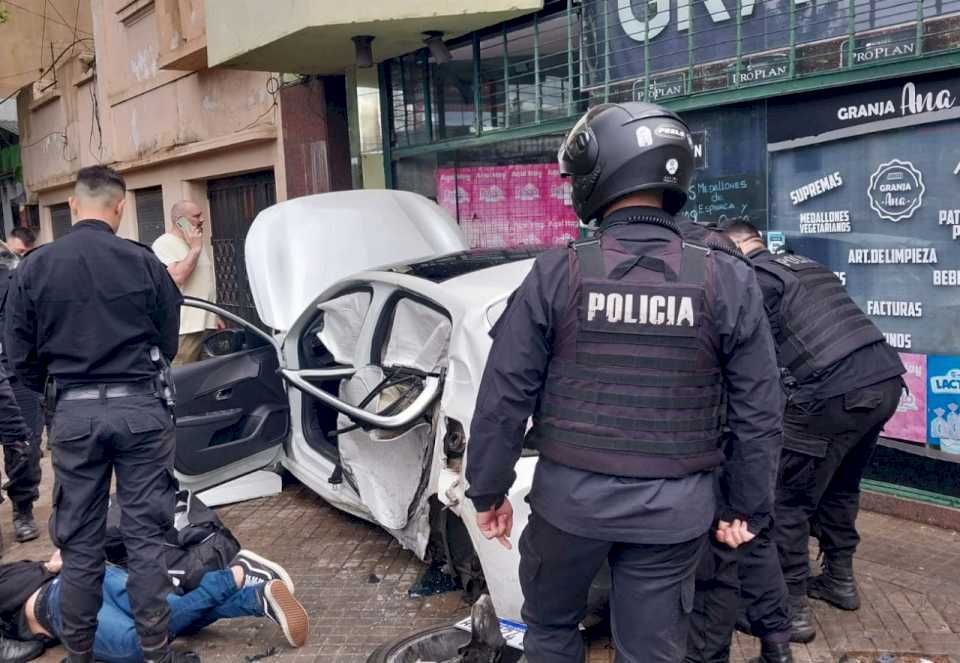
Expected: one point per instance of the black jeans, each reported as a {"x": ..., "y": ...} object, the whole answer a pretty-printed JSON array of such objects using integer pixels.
[
  {"x": 91, "y": 439},
  {"x": 650, "y": 599},
  {"x": 827, "y": 446}
]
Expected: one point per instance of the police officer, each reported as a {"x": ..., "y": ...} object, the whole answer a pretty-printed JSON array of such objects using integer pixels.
[
  {"x": 628, "y": 350},
  {"x": 21, "y": 449},
  {"x": 844, "y": 383},
  {"x": 88, "y": 315}
]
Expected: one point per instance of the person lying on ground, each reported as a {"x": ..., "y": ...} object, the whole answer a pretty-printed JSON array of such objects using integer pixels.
[{"x": 250, "y": 587}]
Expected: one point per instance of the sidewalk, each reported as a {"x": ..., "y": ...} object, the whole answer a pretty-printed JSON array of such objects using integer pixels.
[{"x": 353, "y": 579}]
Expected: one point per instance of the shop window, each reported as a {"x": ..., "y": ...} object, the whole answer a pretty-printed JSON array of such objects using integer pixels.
[
  {"x": 408, "y": 103},
  {"x": 150, "y": 214},
  {"x": 60, "y": 220},
  {"x": 452, "y": 109}
]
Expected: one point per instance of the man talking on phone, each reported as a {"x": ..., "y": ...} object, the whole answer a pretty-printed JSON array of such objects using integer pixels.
[{"x": 183, "y": 251}]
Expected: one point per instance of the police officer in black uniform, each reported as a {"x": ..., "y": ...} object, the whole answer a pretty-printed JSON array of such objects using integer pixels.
[
  {"x": 21, "y": 456},
  {"x": 844, "y": 383},
  {"x": 628, "y": 350},
  {"x": 94, "y": 317}
]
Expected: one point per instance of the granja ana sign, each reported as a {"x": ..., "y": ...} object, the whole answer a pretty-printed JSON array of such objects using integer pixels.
[{"x": 618, "y": 35}]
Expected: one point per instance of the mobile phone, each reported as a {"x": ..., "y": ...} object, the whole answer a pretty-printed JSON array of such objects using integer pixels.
[{"x": 183, "y": 223}]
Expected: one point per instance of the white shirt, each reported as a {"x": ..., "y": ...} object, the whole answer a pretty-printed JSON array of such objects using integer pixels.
[{"x": 202, "y": 283}]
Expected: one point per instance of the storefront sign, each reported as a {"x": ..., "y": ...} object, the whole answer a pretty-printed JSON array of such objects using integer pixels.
[
  {"x": 699, "y": 139},
  {"x": 879, "y": 48},
  {"x": 661, "y": 88},
  {"x": 896, "y": 190},
  {"x": 910, "y": 421},
  {"x": 943, "y": 402},
  {"x": 789, "y": 120},
  {"x": 759, "y": 69},
  {"x": 620, "y": 36}
]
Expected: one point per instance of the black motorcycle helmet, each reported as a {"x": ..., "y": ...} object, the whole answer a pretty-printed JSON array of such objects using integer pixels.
[{"x": 618, "y": 149}]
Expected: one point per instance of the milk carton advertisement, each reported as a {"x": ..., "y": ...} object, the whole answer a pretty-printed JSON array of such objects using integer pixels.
[{"x": 943, "y": 402}]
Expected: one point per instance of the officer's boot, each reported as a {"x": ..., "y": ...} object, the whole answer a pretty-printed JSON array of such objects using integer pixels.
[
  {"x": 802, "y": 628},
  {"x": 24, "y": 526},
  {"x": 835, "y": 584},
  {"x": 774, "y": 652},
  {"x": 16, "y": 651}
]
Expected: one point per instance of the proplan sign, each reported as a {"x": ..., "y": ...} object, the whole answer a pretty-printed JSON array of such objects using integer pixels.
[
  {"x": 621, "y": 36},
  {"x": 790, "y": 120}
]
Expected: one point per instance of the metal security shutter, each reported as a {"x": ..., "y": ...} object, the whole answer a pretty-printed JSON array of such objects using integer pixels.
[
  {"x": 150, "y": 222},
  {"x": 234, "y": 203},
  {"x": 60, "y": 220}
]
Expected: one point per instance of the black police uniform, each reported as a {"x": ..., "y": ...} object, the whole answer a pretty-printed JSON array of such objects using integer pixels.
[
  {"x": 650, "y": 525},
  {"x": 21, "y": 447},
  {"x": 85, "y": 312},
  {"x": 848, "y": 385}
]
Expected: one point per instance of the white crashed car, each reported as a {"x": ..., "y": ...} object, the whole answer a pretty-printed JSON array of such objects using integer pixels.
[{"x": 366, "y": 388}]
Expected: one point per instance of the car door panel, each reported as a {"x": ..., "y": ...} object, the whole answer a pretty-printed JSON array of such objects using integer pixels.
[{"x": 233, "y": 415}]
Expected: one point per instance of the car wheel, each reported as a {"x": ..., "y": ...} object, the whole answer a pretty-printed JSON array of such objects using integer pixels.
[{"x": 433, "y": 645}]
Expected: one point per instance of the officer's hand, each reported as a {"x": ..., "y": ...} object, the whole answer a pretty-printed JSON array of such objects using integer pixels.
[
  {"x": 497, "y": 523},
  {"x": 55, "y": 565},
  {"x": 734, "y": 534},
  {"x": 194, "y": 236}
]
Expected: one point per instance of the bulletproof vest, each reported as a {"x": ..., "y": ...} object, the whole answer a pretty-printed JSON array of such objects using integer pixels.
[
  {"x": 634, "y": 386},
  {"x": 820, "y": 324}
]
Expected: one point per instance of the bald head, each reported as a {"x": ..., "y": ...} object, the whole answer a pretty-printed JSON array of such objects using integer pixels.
[
  {"x": 99, "y": 194},
  {"x": 186, "y": 209}
]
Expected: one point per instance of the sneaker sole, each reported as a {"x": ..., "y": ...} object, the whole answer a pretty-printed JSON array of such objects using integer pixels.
[
  {"x": 291, "y": 615},
  {"x": 850, "y": 605},
  {"x": 273, "y": 566}
]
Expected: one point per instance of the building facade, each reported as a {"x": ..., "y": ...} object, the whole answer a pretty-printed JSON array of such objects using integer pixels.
[
  {"x": 140, "y": 97},
  {"x": 831, "y": 126}
]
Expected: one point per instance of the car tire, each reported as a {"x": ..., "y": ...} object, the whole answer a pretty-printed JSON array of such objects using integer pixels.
[{"x": 439, "y": 643}]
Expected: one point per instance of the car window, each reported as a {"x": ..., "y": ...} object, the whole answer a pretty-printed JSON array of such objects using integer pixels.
[
  {"x": 419, "y": 337},
  {"x": 338, "y": 328}
]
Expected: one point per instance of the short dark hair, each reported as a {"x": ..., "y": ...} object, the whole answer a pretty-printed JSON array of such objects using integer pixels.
[
  {"x": 25, "y": 235},
  {"x": 97, "y": 181},
  {"x": 741, "y": 230}
]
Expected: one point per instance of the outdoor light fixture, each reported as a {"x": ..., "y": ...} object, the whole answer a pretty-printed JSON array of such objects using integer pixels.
[
  {"x": 439, "y": 50},
  {"x": 364, "y": 50}
]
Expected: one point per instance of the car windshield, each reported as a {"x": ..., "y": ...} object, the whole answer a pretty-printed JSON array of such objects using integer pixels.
[{"x": 453, "y": 265}]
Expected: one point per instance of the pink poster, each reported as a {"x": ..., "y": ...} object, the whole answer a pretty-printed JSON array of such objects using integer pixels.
[
  {"x": 517, "y": 205},
  {"x": 910, "y": 421}
]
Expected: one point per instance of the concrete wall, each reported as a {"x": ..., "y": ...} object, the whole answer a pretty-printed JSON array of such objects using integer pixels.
[
  {"x": 35, "y": 32},
  {"x": 173, "y": 128}
]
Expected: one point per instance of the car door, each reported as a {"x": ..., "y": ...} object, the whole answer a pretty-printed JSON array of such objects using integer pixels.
[
  {"x": 385, "y": 430},
  {"x": 232, "y": 411}
]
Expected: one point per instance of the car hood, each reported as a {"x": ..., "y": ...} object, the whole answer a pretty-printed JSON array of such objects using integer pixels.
[{"x": 298, "y": 248}]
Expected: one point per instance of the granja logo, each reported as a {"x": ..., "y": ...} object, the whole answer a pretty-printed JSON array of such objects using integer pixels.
[
  {"x": 896, "y": 190},
  {"x": 946, "y": 384}
]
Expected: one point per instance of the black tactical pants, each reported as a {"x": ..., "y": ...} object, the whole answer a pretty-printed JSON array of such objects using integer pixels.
[
  {"x": 90, "y": 439},
  {"x": 827, "y": 446},
  {"x": 650, "y": 598},
  {"x": 21, "y": 445},
  {"x": 715, "y": 605},
  {"x": 748, "y": 579}
]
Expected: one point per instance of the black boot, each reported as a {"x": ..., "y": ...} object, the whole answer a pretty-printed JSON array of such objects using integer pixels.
[
  {"x": 802, "y": 628},
  {"x": 774, "y": 652},
  {"x": 17, "y": 651},
  {"x": 835, "y": 584},
  {"x": 24, "y": 526}
]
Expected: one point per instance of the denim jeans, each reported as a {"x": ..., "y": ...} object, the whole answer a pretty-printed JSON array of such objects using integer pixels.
[{"x": 116, "y": 639}]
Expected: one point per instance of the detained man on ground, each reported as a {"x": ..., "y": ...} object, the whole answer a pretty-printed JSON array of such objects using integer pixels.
[{"x": 251, "y": 586}]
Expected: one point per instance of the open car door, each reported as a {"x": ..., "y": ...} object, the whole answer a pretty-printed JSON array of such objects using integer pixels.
[{"x": 233, "y": 415}]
